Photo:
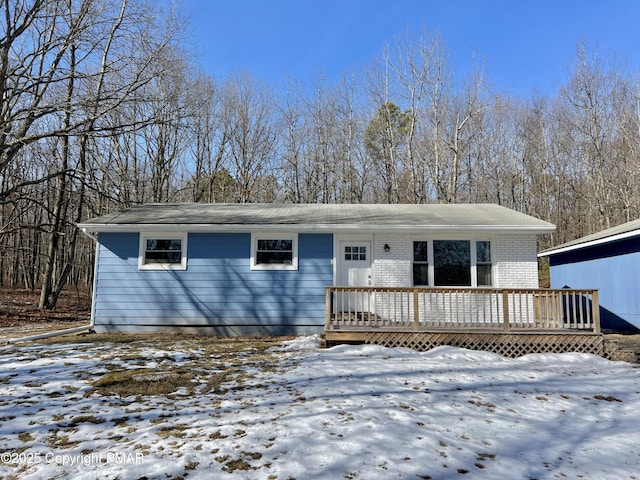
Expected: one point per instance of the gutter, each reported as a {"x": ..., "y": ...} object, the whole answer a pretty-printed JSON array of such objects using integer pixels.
[
  {"x": 51, "y": 334},
  {"x": 90, "y": 235}
]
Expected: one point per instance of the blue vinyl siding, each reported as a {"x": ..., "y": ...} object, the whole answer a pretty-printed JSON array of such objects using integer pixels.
[
  {"x": 218, "y": 292},
  {"x": 614, "y": 269}
]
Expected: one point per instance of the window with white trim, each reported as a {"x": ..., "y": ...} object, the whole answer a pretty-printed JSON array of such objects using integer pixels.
[
  {"x": 274, "y": 251},
  {"x": 452, "y": 263},
  {"x": 483, "y": 263},
  {"x": 421, "y": 263},
  {"x": 163, "y": 252}
]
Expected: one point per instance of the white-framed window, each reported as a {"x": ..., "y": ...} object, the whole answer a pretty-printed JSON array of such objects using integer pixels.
[
  {"x": 484, "y": 266},
  {"x": 452, "y": 263},
  {"x": 421, "y": 263},
  {"x": 163, "y": 251},
  {"x": 274, "y": 251}
]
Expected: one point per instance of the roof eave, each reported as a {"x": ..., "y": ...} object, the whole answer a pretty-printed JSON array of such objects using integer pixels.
[
  {"x": 303, "y": 228},
  {"x": 592, "y": 243}
]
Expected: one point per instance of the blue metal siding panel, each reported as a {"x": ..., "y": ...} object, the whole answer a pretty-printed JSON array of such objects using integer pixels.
[
  {"x": 218, "y": 287},
  {"x": 616, "y": 277}
]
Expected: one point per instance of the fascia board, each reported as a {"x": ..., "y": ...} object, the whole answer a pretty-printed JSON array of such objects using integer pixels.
[
  {"x": 236, "y": 228},
  {"x": 592, "y": 243}
]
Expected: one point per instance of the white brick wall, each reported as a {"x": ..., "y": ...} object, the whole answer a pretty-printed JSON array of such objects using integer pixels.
[
  {"x": 514, "y": 259},
  {"x": 392, "y": 268}
]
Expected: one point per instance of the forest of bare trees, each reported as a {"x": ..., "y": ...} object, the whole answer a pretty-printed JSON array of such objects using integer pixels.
[{"x": 102, "y": 108}]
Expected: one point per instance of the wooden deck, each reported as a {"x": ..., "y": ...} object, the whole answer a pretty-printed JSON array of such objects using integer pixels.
[{"x": 512, "y": 322}]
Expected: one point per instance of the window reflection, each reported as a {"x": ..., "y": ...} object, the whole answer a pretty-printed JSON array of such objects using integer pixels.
[
  {"x": 420, "y": 263},
  {"x": 278, "y": 251},
  {"x": 357, "y": 253},
  {"x": 163, "y": 251},
  {"x": 452, "y": 262}
]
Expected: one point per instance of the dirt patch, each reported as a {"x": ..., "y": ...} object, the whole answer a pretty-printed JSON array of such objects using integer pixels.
[{"x": 20, "y": 315}]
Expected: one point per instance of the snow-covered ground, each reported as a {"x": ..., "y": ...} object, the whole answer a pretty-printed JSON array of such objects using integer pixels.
[{"x": 349, "y": 412}]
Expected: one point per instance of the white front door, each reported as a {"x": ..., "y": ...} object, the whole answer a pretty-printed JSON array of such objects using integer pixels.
[
  {"x": 355, "y": 264},
  {"x": 354, "y": 270}
]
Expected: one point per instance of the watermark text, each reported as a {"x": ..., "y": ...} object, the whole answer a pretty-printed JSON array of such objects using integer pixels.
[{"x": 69, "y": 459}]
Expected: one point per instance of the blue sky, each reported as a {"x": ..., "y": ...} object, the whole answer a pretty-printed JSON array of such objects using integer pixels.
[{"x": 525, "y": 44}]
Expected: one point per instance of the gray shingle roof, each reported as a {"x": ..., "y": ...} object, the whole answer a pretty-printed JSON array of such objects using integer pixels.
[{"x": 308, "y": 217}]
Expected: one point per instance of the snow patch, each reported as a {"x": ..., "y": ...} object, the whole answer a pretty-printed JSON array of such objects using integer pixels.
[{"x": 361, "y": 411}]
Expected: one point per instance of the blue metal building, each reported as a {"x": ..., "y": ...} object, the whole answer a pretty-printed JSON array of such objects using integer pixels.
[{"x": 608, "y": 261}]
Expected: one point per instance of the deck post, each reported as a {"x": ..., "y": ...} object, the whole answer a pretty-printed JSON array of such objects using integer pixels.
[
  {"x": 416, "y": 310},
  {"x": 595, "y": 311},
  {"x": 559, "y": 312},
  {"x": 327, "y": 307},
  {"x": 505, "y": 309}
]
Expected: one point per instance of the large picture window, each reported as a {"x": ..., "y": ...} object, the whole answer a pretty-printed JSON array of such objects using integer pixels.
[
  {"x": 452, "y": 263},
  {"x": 274, "y": 252},
  {"x": 163, "y": 252}
]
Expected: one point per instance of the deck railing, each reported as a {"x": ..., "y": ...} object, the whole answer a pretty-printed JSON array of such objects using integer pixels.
[{"x": 420, "y": 309}]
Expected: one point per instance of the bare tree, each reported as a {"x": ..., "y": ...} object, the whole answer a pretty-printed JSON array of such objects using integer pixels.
[
  {"x": 588, "y": 127},
  {"x": 352, "y": 169},
  {"x": 412, "y": 64},
  {"x": 251, "y": 136},
  {"x": 101, "y": 109},
  {"x": 66, "y": 69},
  {"x": 384, "y": 139},
  {"x": 210, "y": 132},
  {"x": 292, "y": 142}
]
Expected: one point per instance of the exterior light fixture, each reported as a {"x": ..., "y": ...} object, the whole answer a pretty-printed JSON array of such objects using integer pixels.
[{"x": 386, "y": 247}]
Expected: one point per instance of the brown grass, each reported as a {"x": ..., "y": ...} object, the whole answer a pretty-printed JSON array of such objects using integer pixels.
[{"x": 124, "y": 383}]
